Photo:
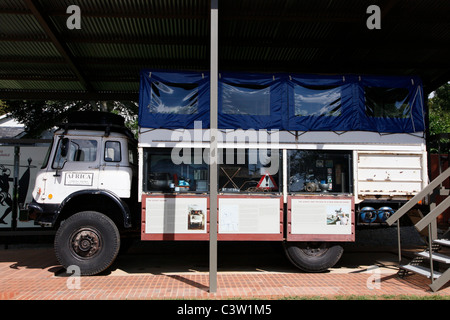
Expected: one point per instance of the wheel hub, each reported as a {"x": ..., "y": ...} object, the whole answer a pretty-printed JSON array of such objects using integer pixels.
[
  {"x": 314, "y": 249},
  {"x": 86, "y": 243}
]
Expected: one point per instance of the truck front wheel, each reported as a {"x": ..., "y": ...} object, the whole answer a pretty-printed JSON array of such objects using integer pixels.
[
  {"x": 89, "y": 240},
  {"x": 313, "y": 256}
]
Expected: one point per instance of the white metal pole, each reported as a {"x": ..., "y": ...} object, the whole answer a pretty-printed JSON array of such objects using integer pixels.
[{"x": 214, "y": 73}]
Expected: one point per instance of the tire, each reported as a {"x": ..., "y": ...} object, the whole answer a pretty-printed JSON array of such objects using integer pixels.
[
  {"x": 313, "y": 256},
  {"x": 89, "y": 240}
]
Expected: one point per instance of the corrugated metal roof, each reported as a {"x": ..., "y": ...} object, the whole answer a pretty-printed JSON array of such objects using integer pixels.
[
  {"x": 24, "y": 25},
  {"x": 27, "y": 49},
  {"x": 119, "y": 37},
  {"x": 44, "y": 85}
]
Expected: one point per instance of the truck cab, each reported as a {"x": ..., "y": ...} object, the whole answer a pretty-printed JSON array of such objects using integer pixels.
[{"x": 89, "y": 173}]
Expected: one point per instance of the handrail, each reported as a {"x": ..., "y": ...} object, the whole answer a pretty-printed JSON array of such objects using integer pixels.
[
  {"x": 418, "y": 197},
  {"x": 433, "y": 214}
]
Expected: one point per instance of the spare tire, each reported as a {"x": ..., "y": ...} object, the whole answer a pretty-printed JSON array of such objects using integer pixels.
[{"x": 95, "y": 117}]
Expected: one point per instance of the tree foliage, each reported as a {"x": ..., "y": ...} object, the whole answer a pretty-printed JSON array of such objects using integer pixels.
[
  {"x": 439, "y": 108},
  {"x": 2, "y": 107},
  {"x": 442, "y": 97},
  {"x": 40, "y": 115}
]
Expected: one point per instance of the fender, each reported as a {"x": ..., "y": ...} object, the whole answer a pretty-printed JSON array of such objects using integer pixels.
[{"x": 125, "y": 210}]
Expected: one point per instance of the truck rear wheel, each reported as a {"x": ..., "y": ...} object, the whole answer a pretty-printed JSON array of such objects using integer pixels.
[
  {"x": 89, "y": 240},
  {"x": 313, "y": 256}
]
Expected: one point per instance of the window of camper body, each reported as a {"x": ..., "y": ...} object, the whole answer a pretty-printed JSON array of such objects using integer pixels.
[
  {"x": 171, "y": 170},
  {"x": 250, "y": 171},
  {"x": 168, "y": 170},
  {"x": 318, "y": 171},
  {"x": 387, "y": 102},
  {"x": 317, "y": 101},
  {"x": 245, "y": 99},
  {"x": 174, "y": 98}
]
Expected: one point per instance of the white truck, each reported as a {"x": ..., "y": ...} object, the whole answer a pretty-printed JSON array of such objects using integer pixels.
[{"x": 309, "y": 189}]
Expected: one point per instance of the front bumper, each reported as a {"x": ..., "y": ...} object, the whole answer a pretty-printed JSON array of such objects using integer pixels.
[{"x": 43, "y": 214}]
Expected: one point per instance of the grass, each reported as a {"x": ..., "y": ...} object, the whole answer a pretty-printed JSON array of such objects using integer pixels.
[
  {"x": 368, "y": 297},
  {"x": 383, "y": 297}
]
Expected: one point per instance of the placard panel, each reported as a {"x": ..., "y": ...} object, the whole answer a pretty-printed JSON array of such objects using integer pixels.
[{"x": 321, "y": 218}]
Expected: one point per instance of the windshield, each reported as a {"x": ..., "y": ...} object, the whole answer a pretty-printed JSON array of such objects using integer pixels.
[
  {"x": 79, "y": 150},
  {"x": 47, "y": 156}
]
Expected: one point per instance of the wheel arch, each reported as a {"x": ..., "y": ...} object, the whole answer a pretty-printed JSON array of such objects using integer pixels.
[{"x": 102, "y": 201}]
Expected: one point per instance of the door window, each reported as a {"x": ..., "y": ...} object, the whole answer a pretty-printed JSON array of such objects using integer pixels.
[{"x": 112, "y": 151}]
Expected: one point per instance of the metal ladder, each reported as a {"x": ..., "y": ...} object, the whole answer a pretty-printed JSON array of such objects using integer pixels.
[
  {"x": 431, "y": 254},
  {"x": 417, "y": 265}
]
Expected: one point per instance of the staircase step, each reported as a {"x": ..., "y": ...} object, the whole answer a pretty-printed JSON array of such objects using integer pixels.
[
  {"x": 421, "y": 270},
  {"x": 444, "y": 242},
  {"x": 436, "y": 256}
]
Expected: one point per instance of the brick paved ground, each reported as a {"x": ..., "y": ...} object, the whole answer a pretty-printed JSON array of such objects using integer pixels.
[{"x": 33, "y": 273}]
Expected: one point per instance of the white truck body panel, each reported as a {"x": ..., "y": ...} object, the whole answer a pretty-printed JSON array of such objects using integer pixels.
[
  {"x": 390, "y": 173},
  {"x": 329, "y": 140}
]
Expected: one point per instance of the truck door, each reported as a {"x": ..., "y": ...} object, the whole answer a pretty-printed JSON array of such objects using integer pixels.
[
  {"x": 115, "y": 170},
  {"x": 74, "y": 167}
]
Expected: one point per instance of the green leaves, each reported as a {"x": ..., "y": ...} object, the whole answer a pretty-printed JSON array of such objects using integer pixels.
[
  {"x": 41, "y": 115},
  {"x": 439, "y": 116}
]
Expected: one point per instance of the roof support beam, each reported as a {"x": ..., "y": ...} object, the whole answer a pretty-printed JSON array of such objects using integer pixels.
[
  {"x": 439, "y": 63},
  {"x": 51, "y": 32},
  {"x": 56, "y": 79},
  {"x": 368, "y": 41},
  {"x": 68, "y": 95},
  {"x": 310, "y": 16}
]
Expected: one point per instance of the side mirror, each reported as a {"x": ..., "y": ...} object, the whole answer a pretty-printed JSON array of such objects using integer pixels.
[{"x": 64, "y": 147}]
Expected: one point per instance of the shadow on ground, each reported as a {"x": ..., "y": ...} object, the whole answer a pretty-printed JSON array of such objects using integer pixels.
[{"x": 371, "y": 248}]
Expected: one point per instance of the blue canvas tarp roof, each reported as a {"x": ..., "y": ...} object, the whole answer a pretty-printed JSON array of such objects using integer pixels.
[{"x": 173, "y": 100}]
